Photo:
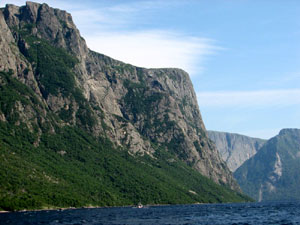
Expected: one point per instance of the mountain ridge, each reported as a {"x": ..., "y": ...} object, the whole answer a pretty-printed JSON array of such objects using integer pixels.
[
  {"x": 272, "y": 174},
  {"x": 100, "y": 86},
  {"x": 234, "y": 148},
  {"x": 54, "y": 85}
]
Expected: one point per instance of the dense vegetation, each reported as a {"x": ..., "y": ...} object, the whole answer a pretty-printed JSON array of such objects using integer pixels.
[
  {"x": 87, "y": 173},
  {"x": 49, "y": 159},
  {"x": 72, "y": 168}
]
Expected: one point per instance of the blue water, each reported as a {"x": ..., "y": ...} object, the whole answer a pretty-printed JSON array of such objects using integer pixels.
[{"x": 247, "y": 213}]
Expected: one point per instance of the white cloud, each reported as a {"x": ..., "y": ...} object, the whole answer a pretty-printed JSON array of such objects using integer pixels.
[
  {"x": 283, "y": 79},
  {"x": 154, "y": 48},
  {"x": 261, "y": 98},
  {"x": 138, "y": 6},
  {"x": 113, "y": 16},
  {"x": 111, "y": 30}
]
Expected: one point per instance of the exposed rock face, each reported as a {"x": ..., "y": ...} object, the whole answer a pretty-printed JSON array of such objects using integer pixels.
[
  {"x": 273, "y": 173},
  {"x": 137, "y": 109},
  {"x": 235, "y": 149}
]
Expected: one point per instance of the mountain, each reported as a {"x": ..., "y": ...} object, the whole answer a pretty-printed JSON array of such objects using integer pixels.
[
  {"x": 273, "y": 173},
  {"x": 79, "y": 128},
  {"x": 235, "y": 149}
]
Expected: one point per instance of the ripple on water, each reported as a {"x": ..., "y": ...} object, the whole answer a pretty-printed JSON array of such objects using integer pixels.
[{"x": 219, "y": 214}]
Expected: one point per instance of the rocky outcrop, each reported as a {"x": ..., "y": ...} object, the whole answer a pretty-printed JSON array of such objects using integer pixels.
[
  {"x": 235, "y": 149},
  {"x": 273, "y": 173},
  {"x": 137, "y": 109},
  {"x": 13, "y": 59}
]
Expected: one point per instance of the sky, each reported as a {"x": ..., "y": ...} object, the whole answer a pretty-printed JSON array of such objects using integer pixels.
[{"x": 243, "y": 56}]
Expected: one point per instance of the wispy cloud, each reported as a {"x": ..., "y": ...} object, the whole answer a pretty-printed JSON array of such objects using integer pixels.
[
  {"x": 154, "y": 48},
  {"x": 285, "y": 79},
  {"x": 137, "y": 6},
  {"x": 261, "y": 98},
  {"x": 115, "y": 16},
  {"x": 115, "y": 30}
]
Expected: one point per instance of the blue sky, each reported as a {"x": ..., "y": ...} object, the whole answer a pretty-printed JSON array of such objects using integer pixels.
[{"x": 243, "y": 56}]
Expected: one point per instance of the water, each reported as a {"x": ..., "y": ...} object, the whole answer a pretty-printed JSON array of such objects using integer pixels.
[{"x": 247, "y": 213}]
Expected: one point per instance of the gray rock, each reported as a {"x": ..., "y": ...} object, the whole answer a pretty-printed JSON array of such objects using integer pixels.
[
  {"x": 135, "y": 108},
  {"x": 235, "y": 149},
  {"x": 273, "y": 173}
]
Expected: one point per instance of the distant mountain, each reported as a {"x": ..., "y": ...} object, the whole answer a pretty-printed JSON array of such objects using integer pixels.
[
  {"x": 235, "y": 149},
  {"x": 274, "y": 172},
  {"x": 79, "y": 128}
]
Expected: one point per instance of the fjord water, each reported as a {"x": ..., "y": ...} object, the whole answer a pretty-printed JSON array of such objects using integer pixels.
[{"x": 241, "y": 213}]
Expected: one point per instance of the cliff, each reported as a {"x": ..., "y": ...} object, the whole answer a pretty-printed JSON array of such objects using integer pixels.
[
  {"x": 145, "y": 112},
  {"x": 235, "y": 149},
  {"x": 273, "y": 173}
]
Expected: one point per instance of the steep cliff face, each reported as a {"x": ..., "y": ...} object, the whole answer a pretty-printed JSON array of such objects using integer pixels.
[
  {"x": 138, "y": 109},
  {"x": 235, "y": 149},
  {"x": 273, "y": 173}
]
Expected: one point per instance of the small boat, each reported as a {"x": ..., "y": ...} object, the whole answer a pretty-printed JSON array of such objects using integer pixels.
[{"x": 139, "y": 206}]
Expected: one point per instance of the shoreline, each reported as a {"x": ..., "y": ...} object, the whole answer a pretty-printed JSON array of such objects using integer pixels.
[
  {"x": 87, "y": 207},
  {"x": 51, "y": 209},
  {"x": 98, "y": 207},
  {"x": 3, "y": 211}
]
